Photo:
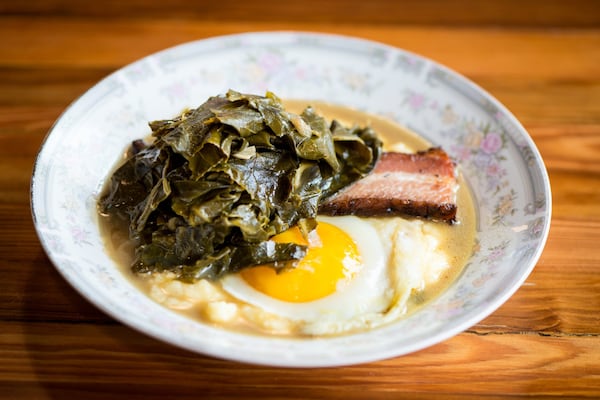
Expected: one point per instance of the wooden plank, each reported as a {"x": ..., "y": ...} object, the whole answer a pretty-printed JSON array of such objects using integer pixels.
[
  {"x": 490, "y": 51},
  {"x": 550, "y": 103},
  {"x": 65, "y": 359},
  {"x": 446, "y": 12},
  {"x": 24, "y": 88},
  {"x": 575, "y": 195},
  {"x": 567, "y": 148}
]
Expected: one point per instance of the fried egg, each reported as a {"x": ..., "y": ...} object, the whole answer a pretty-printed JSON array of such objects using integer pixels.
[{"x": 343, "y": 277}]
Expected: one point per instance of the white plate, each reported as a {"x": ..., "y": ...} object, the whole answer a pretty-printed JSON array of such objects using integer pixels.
[{"x": 496, "y": 154}]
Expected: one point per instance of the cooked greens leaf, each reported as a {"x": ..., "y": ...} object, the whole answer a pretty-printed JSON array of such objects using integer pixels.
[{"x": 217, "y": 182}]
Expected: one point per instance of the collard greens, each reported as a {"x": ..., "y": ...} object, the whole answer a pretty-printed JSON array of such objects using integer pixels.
[{"x": 218, "y": 181}]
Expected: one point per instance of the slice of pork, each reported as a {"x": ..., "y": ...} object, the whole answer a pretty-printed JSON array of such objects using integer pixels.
[{"x": 422, "y": 184}]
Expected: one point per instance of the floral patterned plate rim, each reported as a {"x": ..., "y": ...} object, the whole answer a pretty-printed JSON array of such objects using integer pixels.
[{"x": 495, "y": 153}]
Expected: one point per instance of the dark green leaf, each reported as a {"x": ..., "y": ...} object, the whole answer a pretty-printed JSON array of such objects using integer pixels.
[{"x": 203, "y": 199}]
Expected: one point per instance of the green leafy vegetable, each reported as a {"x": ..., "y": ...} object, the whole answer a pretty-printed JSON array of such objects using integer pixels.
[{"x": 203, "y": 199}]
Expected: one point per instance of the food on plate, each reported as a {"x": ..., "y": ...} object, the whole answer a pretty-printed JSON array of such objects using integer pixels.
[
  {"x": 421, "y": 184},
  {"x": 221, "y": 215}
]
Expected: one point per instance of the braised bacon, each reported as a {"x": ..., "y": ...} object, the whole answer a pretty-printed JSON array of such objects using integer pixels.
[{"x": 422, "y": 184}]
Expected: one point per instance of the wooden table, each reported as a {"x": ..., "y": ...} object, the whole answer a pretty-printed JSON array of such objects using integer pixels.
[{"x": 540, "y": 58}]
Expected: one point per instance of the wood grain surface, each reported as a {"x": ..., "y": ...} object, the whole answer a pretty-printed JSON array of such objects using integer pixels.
[{"x": 540, "y": 58}]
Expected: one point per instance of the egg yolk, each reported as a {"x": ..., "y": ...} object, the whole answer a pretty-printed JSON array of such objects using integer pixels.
[{"x": 331, "y": 261}]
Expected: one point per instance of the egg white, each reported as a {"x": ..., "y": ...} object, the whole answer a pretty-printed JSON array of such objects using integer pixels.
[{"x": 369, "y": 292}]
